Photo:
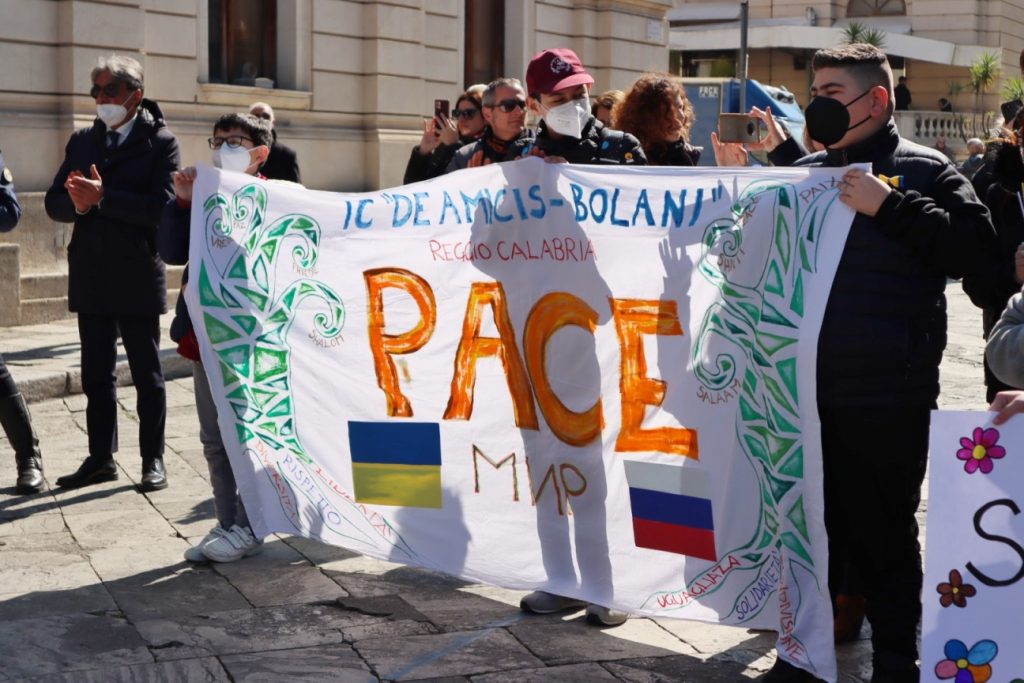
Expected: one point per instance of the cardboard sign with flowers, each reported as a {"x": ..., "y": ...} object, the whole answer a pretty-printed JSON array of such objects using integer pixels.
[{"x": 974, "y": 564}]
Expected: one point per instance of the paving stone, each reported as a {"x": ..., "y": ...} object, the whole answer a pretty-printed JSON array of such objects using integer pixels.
[
  {"x": 178, "y": 591},
  {"x": 576, "y": 641},
  {"x": 459, "y": 611},
  {"x": 58, "y": 540},
  {"x": 33, "y": 647},
  {"x": 322, "y": 553},
  {"x": 207, "y": 670},
  {"x": 149, "y": 555},
  {"x": 325, "y": 664},
  {"x": 25, "y": 571},
  {"x": 678, "y": 669},
  {"x": 93, "y": 599},
  {"x": 107, "y": 528},
  {"x": 279, "y": 576},
  {"x": 14, "y": 506},
  {"x": 119, "y": 495},
  {"x": 391, "y": 606},
  {"x": 249, "y": 630},
  {"x": 445, "y": 654},
  {"x": 34, "y": 523},
  {"x": 708, "y": 638},
  {"x": 190, "y": 519},
  {"x": 387, "y": 628},
  {"x": 570, "y": 673}
]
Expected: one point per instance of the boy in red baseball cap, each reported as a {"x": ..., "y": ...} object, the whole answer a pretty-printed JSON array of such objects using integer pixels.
[{"x": 558, "y": 89}]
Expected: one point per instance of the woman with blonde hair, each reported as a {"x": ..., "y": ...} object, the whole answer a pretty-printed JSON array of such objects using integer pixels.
[{"x": 658, "y": 113}]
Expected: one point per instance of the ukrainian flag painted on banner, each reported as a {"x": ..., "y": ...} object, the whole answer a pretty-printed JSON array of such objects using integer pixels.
[{"x": 396, "y": 463}]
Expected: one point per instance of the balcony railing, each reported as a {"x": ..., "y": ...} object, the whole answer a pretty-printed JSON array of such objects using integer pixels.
[{"x": 926, "y": 127}]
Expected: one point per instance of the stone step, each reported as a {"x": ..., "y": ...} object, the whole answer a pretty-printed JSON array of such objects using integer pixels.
[
  {"x": 43, "y": 285},
  {"x": 44, "y": 310}
]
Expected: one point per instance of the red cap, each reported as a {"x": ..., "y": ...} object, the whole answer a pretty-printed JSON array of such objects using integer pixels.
[{"x": 554, "y": 70}]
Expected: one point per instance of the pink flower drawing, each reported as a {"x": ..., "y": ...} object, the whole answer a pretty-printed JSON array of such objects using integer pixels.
[{"x": 980, "y": 450}]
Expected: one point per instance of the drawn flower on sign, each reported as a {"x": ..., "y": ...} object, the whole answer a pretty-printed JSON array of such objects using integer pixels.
[
  {"x": 980, "y": 450},
  {"x": 955, "y": 592},
  {"x": 967, "y": 666}
]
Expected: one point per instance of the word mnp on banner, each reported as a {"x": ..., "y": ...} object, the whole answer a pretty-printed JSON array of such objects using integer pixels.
[
  {"x": 974, "y": 565},
  {"x": 590, "y": 381}
]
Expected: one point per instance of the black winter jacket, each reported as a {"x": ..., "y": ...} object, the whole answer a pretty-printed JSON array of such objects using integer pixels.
[
  {"x": 679, "y": 153},
  {"x": 885, "y": 322},
  {"x": 113, "y": 266},
  {"x": 282, "y": 163},
  {"x": 596, "y": 145}
]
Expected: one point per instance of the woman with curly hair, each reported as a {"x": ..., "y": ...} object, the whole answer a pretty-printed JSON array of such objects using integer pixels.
[{"x": 658, "y": 113}]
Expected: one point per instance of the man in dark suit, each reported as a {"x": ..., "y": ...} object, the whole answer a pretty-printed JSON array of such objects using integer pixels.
[
  {"x": 283, "y": 164},
  {"x": 113, "y": 184}
]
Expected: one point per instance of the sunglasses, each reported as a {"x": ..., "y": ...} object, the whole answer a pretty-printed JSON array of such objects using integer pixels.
[
  {"x": 509, "y": 106},
  {"x": 232, "y": 141},
  {"x": 111, "y": 89},
  {"x": 465, "y": 113}
]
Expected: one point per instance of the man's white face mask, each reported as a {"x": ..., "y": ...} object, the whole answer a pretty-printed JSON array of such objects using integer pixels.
[
  {"x": 112, "y": 114},
  {"x": 569, "y": 118}
]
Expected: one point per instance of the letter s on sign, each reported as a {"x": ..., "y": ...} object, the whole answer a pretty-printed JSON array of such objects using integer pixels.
[{"x": 978, "y": 574}]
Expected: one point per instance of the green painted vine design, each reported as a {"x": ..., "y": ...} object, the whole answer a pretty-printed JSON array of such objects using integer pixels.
[
  {"x": 759, "y": 323},
  {"x": 247, "y": 316}
]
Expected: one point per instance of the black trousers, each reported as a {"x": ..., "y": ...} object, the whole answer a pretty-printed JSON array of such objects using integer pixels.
[
  {"x": 874, "y": 464},
  {"x": 141, "y": 338},
  {"x": 7, "y": 385}
]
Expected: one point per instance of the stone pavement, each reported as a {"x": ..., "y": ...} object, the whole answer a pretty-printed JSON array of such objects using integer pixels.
[{"x": 93, "y": 586}]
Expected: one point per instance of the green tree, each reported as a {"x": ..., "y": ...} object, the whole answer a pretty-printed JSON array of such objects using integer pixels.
[
  {"x": 983, "y": 73},
  {"x": 859, "y": 33}
]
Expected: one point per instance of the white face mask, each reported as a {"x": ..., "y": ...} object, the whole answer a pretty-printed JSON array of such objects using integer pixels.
[
  {"x": 569, "y": 118},
  {"x": 112, "y": 114},
  {"x": 237, "y": 159}
]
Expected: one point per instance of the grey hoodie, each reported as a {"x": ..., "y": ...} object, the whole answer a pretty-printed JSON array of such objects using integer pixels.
[{"x": 1005, "y": 347}]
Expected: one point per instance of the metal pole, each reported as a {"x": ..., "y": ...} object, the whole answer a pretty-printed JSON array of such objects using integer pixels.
[{"x": 744, "y": 21}]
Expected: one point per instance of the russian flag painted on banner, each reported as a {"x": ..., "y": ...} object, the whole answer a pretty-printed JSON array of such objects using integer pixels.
[
  {"x": 396, "y": 463},
  {"x": 671, "y": 508}
]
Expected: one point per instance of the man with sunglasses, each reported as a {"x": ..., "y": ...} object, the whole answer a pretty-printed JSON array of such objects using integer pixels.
[
  {"x": 504, "y": 110},
  {"x": 283, "y": 163},
  {"x": 240, "y": 143},
  {"x": 113, "y": 184}
]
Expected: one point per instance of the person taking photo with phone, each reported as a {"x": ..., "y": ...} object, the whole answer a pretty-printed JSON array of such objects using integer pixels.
[{"x": 443, "y": 135}]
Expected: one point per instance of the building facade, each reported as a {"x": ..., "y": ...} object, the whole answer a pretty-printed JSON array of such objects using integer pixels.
[
  {"x": 932, "y": 42},
  {"x": 350, "y": 81}
]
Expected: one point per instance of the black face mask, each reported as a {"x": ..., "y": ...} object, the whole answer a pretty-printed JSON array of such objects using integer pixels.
[{"x": 828, "y": 119}]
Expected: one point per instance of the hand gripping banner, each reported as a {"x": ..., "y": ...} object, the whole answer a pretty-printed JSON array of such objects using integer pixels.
[{"x": 593, "y": 381}]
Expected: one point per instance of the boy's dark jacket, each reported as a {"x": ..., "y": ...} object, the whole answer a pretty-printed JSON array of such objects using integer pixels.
[{"x": 885, "y": 322}]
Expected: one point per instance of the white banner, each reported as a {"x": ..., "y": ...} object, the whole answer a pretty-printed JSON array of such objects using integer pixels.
[
  {"x": 974, "y": 569},
  {"x": 594, "y": 381}
]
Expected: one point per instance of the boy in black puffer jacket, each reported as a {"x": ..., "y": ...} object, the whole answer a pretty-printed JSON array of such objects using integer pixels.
[{"x": 918, "y": 222}]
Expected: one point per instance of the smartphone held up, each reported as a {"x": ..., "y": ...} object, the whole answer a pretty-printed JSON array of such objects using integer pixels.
[{"x": 740, "y": 128}]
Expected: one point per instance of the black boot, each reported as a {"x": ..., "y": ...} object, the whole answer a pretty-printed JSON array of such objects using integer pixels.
[{"x": 17, "y": 423}]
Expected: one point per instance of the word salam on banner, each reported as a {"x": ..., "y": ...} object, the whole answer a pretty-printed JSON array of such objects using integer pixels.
[{"x": 974, "y": 576}]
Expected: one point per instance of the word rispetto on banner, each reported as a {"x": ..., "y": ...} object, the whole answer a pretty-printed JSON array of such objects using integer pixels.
[
  {"x": 593, "y": 381},
  {"x": 974, "y": 566}
]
